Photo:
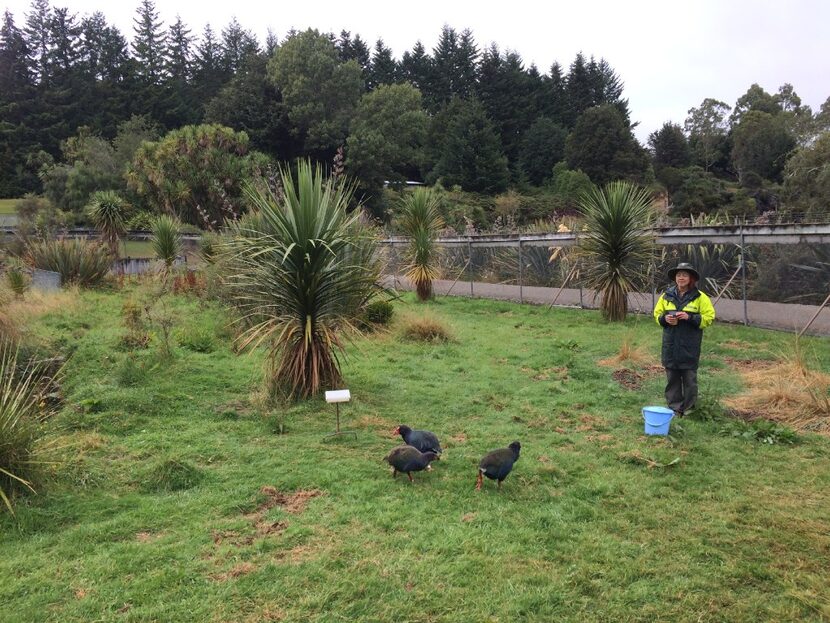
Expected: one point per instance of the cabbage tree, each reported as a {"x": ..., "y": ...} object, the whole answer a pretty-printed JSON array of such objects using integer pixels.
[
  {"x": 301, "y": 268},
  {"x": 421, "y": 221},
  {"x": 615, "y": 245}
]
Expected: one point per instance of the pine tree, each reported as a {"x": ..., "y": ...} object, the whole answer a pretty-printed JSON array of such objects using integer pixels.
[
  {"x": 271, "y": 43},
  {"x": 553, "y": 103},
  {"x": 384, "y": 69},
  {"x": 67, "y": 98},
  {"x": 349, "y": 49},
  {"x": 178, "y": 60},
  {"x": 17, "y": 89},
  {"x": 177, "y": 107},
  {"x": 149, "y": 43},
  {"x": 37, "y": 39},
  {"x": 506, "y": 93},
  {"x": 208, "y": 76},
  {"x": 416, "y": 67},
  {"x": 237, "y": 45},
  {"x": 579, "y": 90},
  {"x": 471, "y": 153}
]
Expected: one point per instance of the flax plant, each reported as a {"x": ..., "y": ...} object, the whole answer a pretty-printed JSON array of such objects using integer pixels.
[
  {"x": 615, "y": 246},
  {"x": 421, "y": 221},
  {"x": 300, "y": 270},
  {"x": 22, "y": 452},
  {"x": 166, "y": 239}
]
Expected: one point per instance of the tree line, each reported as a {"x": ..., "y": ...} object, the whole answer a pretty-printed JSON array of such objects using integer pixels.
[{"x": 82, "y": 108}]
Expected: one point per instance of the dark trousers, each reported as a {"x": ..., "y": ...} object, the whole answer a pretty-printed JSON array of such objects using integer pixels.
[{"x": 681, "y": 389}]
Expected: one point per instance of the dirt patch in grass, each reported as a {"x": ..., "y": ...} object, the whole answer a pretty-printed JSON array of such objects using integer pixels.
[
  {"x": 589, "y": 422},
  {"x": 737, "y": 344},
  {"x": 602, "y": 438},
  {"x": 373, "y": 421},
  {"x": 148, "y": 537},
  {"x": 458, "y": 439},
  {"x": 293, "y": 503},
  {"x": 559, "y": 373},
  {"x": 243, "y": 568},
  {"x": 468, "y": 517},
  {"x": 235, "y": 408},
  {"x": 746, "y": 365},
  {"x": 627, "y": 378}
]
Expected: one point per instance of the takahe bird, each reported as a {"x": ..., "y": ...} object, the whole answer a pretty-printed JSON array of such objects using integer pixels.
[
  {"x": 498, "y": 463},
  {"x": 407, "y": 459},
  {"x": 424, "y": 440}
]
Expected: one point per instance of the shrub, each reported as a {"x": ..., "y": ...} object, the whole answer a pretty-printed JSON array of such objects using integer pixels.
[
  {"x": 379, "y": 312},
  {"x": 763, "y": 431},
  {"x": 133, "y": 320},
  {"x": 189, "y": 282},
  {"x": 17, "y": 279},
  {"x": 196, "y": 338},
  {"x": 77, "y": 261},
  {"x": 142, "y": 220}
]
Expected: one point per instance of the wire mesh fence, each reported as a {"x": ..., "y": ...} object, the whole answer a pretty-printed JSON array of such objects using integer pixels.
[{"x": 779, "y": 285}]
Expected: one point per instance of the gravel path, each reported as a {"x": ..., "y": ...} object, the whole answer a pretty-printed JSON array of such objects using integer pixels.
[{"x": 780, "y": 316}]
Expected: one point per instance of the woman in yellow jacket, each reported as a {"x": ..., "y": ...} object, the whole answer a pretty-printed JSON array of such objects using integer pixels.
[{"x": 683, "y": 311}]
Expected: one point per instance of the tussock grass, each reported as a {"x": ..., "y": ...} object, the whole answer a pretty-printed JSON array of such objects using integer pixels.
[
  {"x": 630, "y": 353},
  {"x": 790, "y": 391},
  {"x": 425, "y": 328},
  {"x": 171, "y": 475}
]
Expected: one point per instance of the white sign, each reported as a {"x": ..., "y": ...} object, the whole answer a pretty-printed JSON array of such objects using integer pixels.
[{"x": 338, "y": 395}]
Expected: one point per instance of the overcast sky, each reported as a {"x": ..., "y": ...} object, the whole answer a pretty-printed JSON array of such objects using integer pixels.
[{"x": 671, "y": 54}]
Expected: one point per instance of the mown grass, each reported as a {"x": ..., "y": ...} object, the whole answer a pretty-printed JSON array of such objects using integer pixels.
[
  {"x": 7, "y": 206},
  {"x": 136, "y": 248},
  {"x": 180, "y": 502}
]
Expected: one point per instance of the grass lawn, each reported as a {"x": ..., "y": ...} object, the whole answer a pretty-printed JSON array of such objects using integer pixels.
[
  {"x": 136, "y": 248},
  {"x": 7, "y": 206},
  {"x": 180, "y": 502}
]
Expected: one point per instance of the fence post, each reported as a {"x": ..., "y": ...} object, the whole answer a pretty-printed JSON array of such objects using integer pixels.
[
  {"x": 394, "y": 262},
  {"x": 743, "y": 276},
  {"x": 521, "y": 293},
  {"x": 470, "y": 255}
]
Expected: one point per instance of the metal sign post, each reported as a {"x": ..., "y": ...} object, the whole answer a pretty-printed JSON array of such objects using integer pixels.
[{"x": 337, "y": 396}]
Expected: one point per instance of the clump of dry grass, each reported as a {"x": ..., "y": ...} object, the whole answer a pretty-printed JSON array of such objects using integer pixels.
[
  {"x": 788, "y": 391},
  {"x": 629, "y": 353},
  {"x": 17, "y": 313},
  {"x": 426, "y": 329}
]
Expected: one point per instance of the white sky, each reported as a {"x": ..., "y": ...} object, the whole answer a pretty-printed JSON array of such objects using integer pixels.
[{"x": 671, "y": 54}]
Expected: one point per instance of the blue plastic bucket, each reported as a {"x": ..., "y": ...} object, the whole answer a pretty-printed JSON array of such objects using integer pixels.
[{"x": 657, "y": 420}]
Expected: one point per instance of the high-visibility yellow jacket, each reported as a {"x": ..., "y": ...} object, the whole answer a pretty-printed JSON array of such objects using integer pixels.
[{"x": 681, "y": 342}]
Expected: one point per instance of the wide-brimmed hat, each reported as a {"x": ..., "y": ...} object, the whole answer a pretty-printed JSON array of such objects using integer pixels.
[{"x": 684, "y": 267}]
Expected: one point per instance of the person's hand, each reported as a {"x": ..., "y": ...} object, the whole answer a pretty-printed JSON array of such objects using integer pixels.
[
  {"x": 671, "y": 319},
  {"x": 682, "y": 316}
]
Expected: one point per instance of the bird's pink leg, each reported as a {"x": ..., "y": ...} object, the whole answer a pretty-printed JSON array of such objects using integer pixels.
[{"x": 410, "y": 477}]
